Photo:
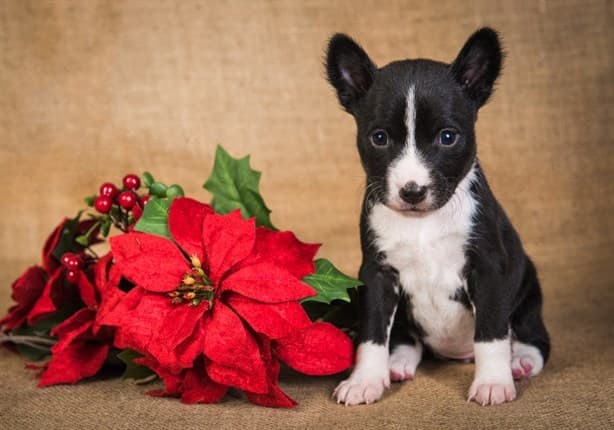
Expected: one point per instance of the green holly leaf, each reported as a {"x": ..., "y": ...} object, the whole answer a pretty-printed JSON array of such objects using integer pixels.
[
  {"x": 155, "y": 217},
  {"x": 105, "y": 226},
  {"x": 82, "y": 240},
  {"x": 66, "y": 242},
  {"x": 158, "y": 189},
  {"x": 147, "y": 179},
  {"x": 40, "y": 330},
  {"x": 174, "y": 191},
  {"x": 133, "y": 370},
  {"x": 235, "y": 185},
  {"x": 330, "y": 283}
]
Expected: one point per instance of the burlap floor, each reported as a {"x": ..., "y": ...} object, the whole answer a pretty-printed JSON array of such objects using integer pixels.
[{"x": 94, "y": 89}]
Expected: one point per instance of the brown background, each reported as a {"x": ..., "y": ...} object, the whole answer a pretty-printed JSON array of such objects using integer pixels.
[{"x": 90, "y": 90}]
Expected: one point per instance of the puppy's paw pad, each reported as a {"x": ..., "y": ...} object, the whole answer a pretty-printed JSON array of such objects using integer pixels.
[
  {"x": 527, "y": 360},
  {"x": 403, "y": 362},
  {"x": 401, "y": 375},
  {"x": 523, "y": 367},
  {"x": 492, "y": 393},
  {"x": 357, "y": 391}
]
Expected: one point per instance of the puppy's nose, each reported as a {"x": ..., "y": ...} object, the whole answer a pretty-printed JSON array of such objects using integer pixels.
[{"x": 412, "y": 193}]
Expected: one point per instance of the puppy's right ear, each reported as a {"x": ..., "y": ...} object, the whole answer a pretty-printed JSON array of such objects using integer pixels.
[{"x": 350, "y": 70}]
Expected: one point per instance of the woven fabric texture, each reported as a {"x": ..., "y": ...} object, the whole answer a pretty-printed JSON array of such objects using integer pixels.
[{"x": 91, "y": 90}]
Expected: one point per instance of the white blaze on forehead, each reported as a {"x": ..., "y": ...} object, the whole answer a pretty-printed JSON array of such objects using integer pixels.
[{"x": 409, "y": 166}]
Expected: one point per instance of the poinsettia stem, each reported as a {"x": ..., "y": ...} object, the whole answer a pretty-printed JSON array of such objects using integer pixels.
[
  {"x": 118, "y": 223},
  {"x": 31, "y": 341},
  {"x": 89, "y": 248}
]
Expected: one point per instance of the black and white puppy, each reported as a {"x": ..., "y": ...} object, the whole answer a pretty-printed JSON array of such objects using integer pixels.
[{"x": 442, "y": 265}]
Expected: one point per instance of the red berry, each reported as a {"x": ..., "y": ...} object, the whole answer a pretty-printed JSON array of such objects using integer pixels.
[
  {"x": 66, "y": 258},
  {"x": 103, "y": 204},
  {"x": 108, "y": 189},
  {"x": 72, "y": 276},
  {"x": 132, "y": 182},
  {"x": 75, "y": 263},
  {"x": 127, "y": 199},
  {"x": 144, "y": 200}
]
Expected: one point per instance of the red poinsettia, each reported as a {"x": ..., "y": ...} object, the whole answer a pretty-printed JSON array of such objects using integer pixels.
[
  {"x": 82, "y": 348},
  {"x": 218, "y": 306},
  {"x": 40, "y": 291}
]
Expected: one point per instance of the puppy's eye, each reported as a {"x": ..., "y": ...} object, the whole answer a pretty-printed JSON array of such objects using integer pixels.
[
  {"x": 379, "y": 138},
  {"x": 447, "y": 137}
]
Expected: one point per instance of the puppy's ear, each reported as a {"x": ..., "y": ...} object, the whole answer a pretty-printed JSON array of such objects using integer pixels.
[
  {"x": 478, "y": 65},
  {"x": 349, "y": 68}
]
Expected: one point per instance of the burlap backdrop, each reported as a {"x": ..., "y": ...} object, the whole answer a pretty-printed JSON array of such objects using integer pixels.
[{"x": 90, "y": 90}]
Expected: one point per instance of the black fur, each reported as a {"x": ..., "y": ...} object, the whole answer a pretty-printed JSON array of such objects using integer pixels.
[{"x": 503, "y": 284}]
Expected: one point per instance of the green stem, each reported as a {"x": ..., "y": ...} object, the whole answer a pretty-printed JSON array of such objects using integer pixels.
[{"x": 32, "y": 341}]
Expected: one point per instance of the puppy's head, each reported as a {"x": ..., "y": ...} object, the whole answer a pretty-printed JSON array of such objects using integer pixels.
[{"x": 415, "y": 118}]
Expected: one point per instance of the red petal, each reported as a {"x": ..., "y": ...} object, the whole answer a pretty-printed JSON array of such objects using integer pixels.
[
  {"x": 151, "y": 325},
  {"x": 273, "y": 320},
  {"x": 78, "y": 360},
  {"x": 199, "y": 388},
  {"x": 234, "y": 354},
  {"x": 50, "y": 264},
  {"x": 185, "y": 222},
  {"x": 73, "y": 327},
  {"x": 26, "y": 290},
  {"x": 322, "y": 349},
  {"x": 102, "y": 269},
  {"x": 267, "y": 282},
  {"x": 137, "y": 318},
  {"x": 111, "y": 297},
  {"x": 191, "y": 347},
  {"x": 274, "y": 397},
  {"x": 285, "y": 250},
  {"x": 180, "y": 322},
  {"x": 87, "y": 292},
  {"x": 149, "y": 261},
  {"x": 50, "y": 298},
  {"x": 227, "y": 239},
  {"x": 172, "y": 381}
]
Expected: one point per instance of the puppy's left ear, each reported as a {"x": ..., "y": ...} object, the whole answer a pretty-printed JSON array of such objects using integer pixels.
[
  {"x": 478, "y": 65},
  {"x": 349, "y": 69}
]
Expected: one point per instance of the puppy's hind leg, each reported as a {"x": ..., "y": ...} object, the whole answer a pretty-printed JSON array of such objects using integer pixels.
[{"x": 531, "y": 343}]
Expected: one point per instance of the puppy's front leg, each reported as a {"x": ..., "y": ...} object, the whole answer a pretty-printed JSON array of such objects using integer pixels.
[
  {"x": 493, "y": 382},
  {"x": 378, "y": 302}
]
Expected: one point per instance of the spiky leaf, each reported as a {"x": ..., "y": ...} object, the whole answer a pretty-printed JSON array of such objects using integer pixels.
[
  {"x": 330, "y": 283},
  {"x": 133, "y": 370},
  {"x": 155, "y": 217},
  {"x": 235, "y": 185}
]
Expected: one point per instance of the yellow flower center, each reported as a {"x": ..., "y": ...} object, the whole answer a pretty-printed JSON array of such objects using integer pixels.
[{"x": 195, "y": 287}]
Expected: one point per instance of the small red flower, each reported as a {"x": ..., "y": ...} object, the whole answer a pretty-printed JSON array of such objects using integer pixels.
[
  {"x": 56, "y": 291},
  {"x": 82, "y": 348},
  {"x": 217, "y": 307},
  {"x": 26, "y": 291}
]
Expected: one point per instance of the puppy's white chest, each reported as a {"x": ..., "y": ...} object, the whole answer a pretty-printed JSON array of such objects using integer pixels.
[{"x": 429, "y": 254}]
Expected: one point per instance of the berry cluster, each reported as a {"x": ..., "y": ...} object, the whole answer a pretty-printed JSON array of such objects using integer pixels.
[
  {"x": 123, "y": 207},
  {"x": 73, "y": 263},
  {"x": 125, "y": 198}
]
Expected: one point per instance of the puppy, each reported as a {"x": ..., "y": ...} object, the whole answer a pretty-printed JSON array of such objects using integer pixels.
[{"x": 442, "y": 265}]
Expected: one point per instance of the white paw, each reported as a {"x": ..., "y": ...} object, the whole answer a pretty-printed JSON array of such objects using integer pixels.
[
  {"x": 527, "y": 361},
  {"x": 492, "y": 393},
  {"x": 361, "y": 389},
  {"x": 404, "y": 361}
]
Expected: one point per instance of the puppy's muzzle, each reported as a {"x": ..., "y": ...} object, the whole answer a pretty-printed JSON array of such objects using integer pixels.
[{"x": 412, "y": 193}]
